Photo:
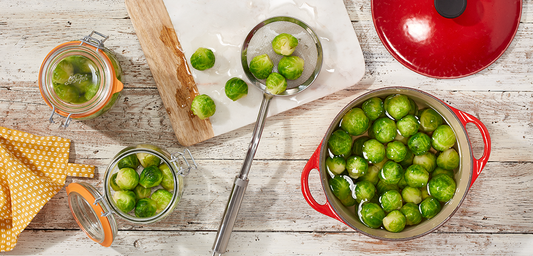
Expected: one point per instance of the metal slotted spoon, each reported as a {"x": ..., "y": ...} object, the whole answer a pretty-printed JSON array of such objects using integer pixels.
[{"x": 256, "y": 43}]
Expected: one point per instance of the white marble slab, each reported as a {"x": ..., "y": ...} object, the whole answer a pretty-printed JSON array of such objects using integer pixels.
[{"x": 223, "y": 25}]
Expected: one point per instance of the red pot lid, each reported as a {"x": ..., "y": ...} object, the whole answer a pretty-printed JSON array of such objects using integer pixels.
[{"x": 425, "y": 41}]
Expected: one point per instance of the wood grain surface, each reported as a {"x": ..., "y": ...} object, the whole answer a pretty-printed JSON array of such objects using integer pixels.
[{"x": 496, "y": 217}]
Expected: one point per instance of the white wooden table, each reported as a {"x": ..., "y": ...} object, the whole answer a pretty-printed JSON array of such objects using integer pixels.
[{"x": 496, "y": 217}]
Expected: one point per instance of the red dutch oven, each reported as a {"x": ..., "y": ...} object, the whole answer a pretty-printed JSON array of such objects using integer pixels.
[{"x": 469, "y": 168}]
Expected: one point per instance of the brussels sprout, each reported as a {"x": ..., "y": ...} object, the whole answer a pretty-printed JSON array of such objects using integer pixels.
[
  {"x": 371, "y": 175},
  {"x": 408, "y": 125},
  {"x": 427, "y": 160},
  {"x": 355, "y": 122},
  {"x": 82, "y": 64},
  {"x": 424, "y": 191},
  {"x": 373, "y": 151},
  {"x": 236, "y": 88},
  {"x": 398, "y": 106},
  {"x": 419, "y": 144},
  {"x": 416, "y": 176},
  {"x": 411, "y": 213},
  {"x": 402, "y": 183},
  {"x": 127, "y": 178},
  {"x": 443, "y": 138},
  {"x": 429, "y": 120},
  {"x": 141, "y": 192},
  {"x": 291, "y": 67},
  {"x": 261, "y": 66},
  {"x": 113, "y": 182},
  {"x": 67, "y": 93},
  {"x": 336, "y": 164},
  {"x": 62, "y": 72},
  {"x": 130, "y": 161},
  {"x": 391, "y": 200},
  {"x": 439, "y": 170},
  {"x": 391, "y": 173},
  {"x": 384, "y": 129},
  {"x": 396, "y": 151},
  {"x": 364, "y": 191},
  {"x": 448, "y": 159},
  {"x": 373, "y": 108},
  {"x": 203, "y": 106},
  {"x": 442, "y": 187},
  {"x": 88, "y": 89},
  {"x": 150, "y": 177},
  {"x": 386, "y": 102},
  {"x": 203, "y": 59},
  {"x": 357, "y": 148},
  {"x": 168, "y": 180},
  {"x": 380, "y": 165},
  {"x": 145, "y": 208},
  {"x": 401, "y": 139},
  {"x": 356, "y": 166},
  {"x": 341, "y": 186},
  {"x": 340, "y": 143},
  {"x": 162, "y": 199},
  {"x": 276, "y": 83},
  {"x": 371, "y": 215},
  {"x": 125, "y": 200},
  {"x": 429, "y": 207},
  {"x": 395, "y": 221},
  {"x": 147, "y": 159},
  {"x": 414, "y": 108},
  {"x": 408, "y": 160},
  {"x": 411, "y": 195},
  {"x": 284, "y": 44},
  {"x": 383, "y": 187}
]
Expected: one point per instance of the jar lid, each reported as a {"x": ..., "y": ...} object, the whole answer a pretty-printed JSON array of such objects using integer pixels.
[{"x": 92, "y": 213}]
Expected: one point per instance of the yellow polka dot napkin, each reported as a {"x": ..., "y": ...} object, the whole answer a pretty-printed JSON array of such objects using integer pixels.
[{"x": 32, "y": 170}]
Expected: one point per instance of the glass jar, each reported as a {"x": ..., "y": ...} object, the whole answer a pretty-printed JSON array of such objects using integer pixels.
[
  {"x": 80, "y": 79},
  {"x": 95, "y": 212}
]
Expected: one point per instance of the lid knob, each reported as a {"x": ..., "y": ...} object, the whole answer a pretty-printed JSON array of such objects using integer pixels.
[{"x": 450, "y": 8}]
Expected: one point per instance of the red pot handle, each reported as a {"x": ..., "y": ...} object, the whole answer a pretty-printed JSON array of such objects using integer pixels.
[
  {"x": 480, "y": 163},
  {"x": 326, "y": 208}
]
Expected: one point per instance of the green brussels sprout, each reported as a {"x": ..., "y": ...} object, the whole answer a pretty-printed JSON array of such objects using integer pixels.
[
  {"x": 416, "y": 176},
  {"x": 82, "y": 64},
  {"x": 236, "y": 88},
  {"x": 443, "y": 138},
  {"x": 383, "y": 187},
  {"x": 373, "y": 108},
  {"x": 275, "y": 83},
  {"x": 357, "y": 148},
  {"x": 396, "y": 151},
  {"x": 336, "y": 164},
  {"x": 261, "y": 66},
  {"x": 429, "y": 207},
  {"x": 448, "y": 159},
  {"x": 429, "y": 120},
  {"x": 371, "y": 215},
  {"x": 386, "y": 102},
  {"x": 427, "y": 160},
  {"x": 125, "y": 200},
  {"x": 414, "y": 108},
  {"x": 356, "y": 166},
  {"x": 408, "y": 125},
  {"x": 401, "y": 139},
  {"x": 395, "y": 221},
  {"x": 408, "y": 160},
  {"x": 391, "y": 200},
  {"x": 411, "y": 213},
  {"x": 162, "y": 199},
  {"x": 145, "y": 208},
  {"x": 62, "y": 72},
  {"x": 203, "y": 59},
  {"x": 402, "y": 183},
  {"x": 419, "y": 143},
  {"x": 380, "y": 165},
  {"x": 412, "y": 195},
  {"x": 168, "y": 180},
  {"x": 113, "y": 182},
  {"x": 147, "y": 159},
  {"x": 340, "y": 143},
  {"x": 127, "y": 178},
  {"x": 150, "y": 177},
  {"x": 364, "y": 191},
  {"x": 398, "y": 106},
  {"x": 442, "y": 187},
  {"x": 439, "y": 170},
  {"x": 203, "y": 106},
  {"x": 141, "y": 192},
  {"x": 424, "y": 191},
  {"x": 284, "y": 44},
  {"x": 341, "y": 186},
  {"x": 355, "y": 122},
  {"x": 291, "y": 67},
  {"x": 371, "y": 175},
  {"x": 130, "y": 161},
  {"x": 373, "y": 151},
  {"x": 391, "y": 173},
  {"x": 384, "y": 129},
  {"x": 90, "y": 90},
  {"x": 68, "y": 93},
  {"x": 370, "y": 131}
]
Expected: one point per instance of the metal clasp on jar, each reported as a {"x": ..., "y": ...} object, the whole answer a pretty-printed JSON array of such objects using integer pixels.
[
  {"x": 51, "y": 119},
  {"x": 177, "y": 156},
  {"x": 99, "y": 44}
]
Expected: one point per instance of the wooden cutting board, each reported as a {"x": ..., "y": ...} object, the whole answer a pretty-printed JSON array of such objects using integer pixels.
[{"x": 169, "y": 68}]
